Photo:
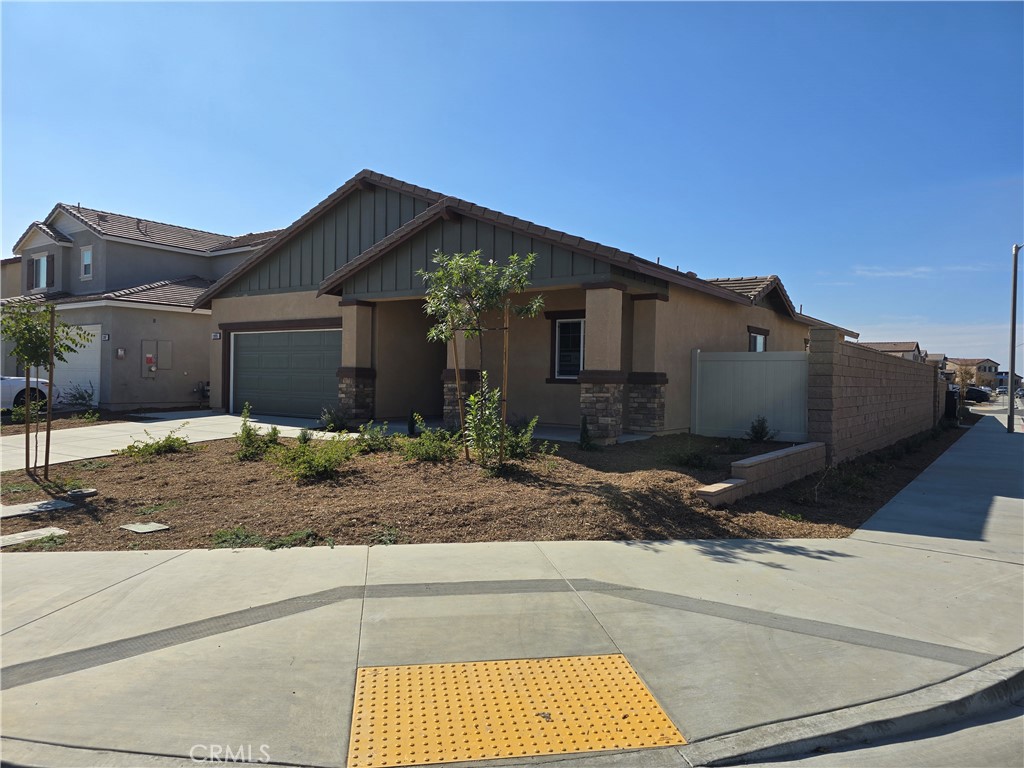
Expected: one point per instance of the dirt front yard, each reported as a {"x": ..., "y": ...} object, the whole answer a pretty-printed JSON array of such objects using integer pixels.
[{"x": 633, "y": 491}]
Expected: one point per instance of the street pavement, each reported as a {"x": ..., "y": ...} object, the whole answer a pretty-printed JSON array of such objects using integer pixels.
[{"x": 755, "y": 649}]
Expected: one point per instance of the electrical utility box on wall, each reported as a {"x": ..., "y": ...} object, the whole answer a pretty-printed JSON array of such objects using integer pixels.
[{"x": 156, "y": 356}]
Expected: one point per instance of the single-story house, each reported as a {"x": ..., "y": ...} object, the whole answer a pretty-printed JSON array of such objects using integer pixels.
[
  {"x": 131, "y": 282},
  {"x": 330, "y": 313}
]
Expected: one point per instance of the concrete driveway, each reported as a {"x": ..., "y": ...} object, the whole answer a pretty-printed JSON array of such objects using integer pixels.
[{"x": 148, "y": 658}]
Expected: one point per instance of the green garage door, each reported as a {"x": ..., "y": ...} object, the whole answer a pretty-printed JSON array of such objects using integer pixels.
[{"x": 290, "y": 373}]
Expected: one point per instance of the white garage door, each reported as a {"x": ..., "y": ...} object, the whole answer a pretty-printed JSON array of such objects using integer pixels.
[{"x": 82, "y": 368}]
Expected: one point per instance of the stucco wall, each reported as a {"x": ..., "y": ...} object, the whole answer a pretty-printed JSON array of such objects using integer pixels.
[
  {"x": 122, "y": 385},
  {"x": 692, "y": 320},
  {"x": 860, "y": 400},
  {"x": 271, "y": 308},
  {"x": 408, "y": 366},
  {"x": 127, "y": 265}
]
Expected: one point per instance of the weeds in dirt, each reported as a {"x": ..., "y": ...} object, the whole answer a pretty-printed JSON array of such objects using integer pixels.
[
  {"x": 45, "y": 544},
  {"x": 151, "y": 447},
  {"x": 162, "y": 507},
  {"x": 241, "y": 537},
  {"x": 796, "y": 517},
  {"x": 385, "y": 536},
  {"x": 93, "y": 464},
  {"x": 305, "y": 538}
]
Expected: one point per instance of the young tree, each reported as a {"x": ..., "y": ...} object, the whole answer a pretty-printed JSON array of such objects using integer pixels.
[
  {"x": 964, "y": 378},
  {"x": 39, "y": 339},
  {"x": 460, "y": 291}
]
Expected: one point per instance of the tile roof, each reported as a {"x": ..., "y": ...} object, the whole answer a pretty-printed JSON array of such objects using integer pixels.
[
  {"x": 755, "y": 288},
  {"x": 51, "y": 232},
  {"x": 251, "y": 240},
  {"x": 892, "y": 346},
  {"x": 143, "y": 230},
  {"x": 180, "y": 292},
  {"x": 813, "y": 322},
  {"x": 970, "y": 361}
]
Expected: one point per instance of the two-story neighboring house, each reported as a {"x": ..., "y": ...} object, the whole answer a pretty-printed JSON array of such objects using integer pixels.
[
  {"x": 131, "y": 282},
  {"x": 908, "y": 350},
  {"x": 984, "y": 370}
]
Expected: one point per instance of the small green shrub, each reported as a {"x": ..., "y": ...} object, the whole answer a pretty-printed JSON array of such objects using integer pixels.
[
  {"x": 62, "y": 486},
  {"x": 237, "y": 537},
  {"x": 36, "y": 410},
  {"x": 519, "y": 442},
  {"x": 304, "y": 436},
  {"x": 373, "y": 439},
  {"x": 431, "y": 445},
  {"x": 317, "y": 459},
  {"x": 89, "y": 416},
  {"x": 796, "y": 517},
  {"x": 483, "y": 423},
  {"x": 333, "y": 419},
  {"x": 156, "y": 446},
  {"x": 693, "y": 459},
  {"x": 252, "y": 443},
  {"x": 411, "y": 425},
  {"x": 759, "y": 431},
  {"x": 77, "y": 397}
]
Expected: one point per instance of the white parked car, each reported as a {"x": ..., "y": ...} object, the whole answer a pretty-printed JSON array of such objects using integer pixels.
[{"x": 13, "y": 392}]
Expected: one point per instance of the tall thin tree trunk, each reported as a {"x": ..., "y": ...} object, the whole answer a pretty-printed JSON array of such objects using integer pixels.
[
  {"x": 35, "y": 457},
  {"x": 504, "y": 387},
  {"x": 49, "y": 394},
  {"x": 28, "y": 422},
  {"x": 458, "y": 395}
]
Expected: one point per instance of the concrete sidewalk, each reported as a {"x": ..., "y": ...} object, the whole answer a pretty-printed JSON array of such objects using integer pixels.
[{"x": 141, "y": 658}]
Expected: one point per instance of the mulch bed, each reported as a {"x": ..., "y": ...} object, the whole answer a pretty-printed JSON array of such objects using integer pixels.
[
  {"x": 63, "y": 420},
  {"x": 632, "y": 491}
]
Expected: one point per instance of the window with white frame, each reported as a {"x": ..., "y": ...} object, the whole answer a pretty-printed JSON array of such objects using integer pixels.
[
  {"x": 87, "y": 262},
  {"x": 568, "y": 348},
  {"x": 757, "y": 339}
]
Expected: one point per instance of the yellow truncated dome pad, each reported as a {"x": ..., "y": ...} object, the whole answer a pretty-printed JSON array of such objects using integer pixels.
[{"x": 442, "y": 713}]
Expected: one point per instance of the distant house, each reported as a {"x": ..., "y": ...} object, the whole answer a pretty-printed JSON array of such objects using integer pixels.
[
  {"x": 131, "y": 282},
  {"x": 330, "y": 312},
  {"x": 983, "y": 368},
  {"x": 1003, "y": 376},
  {"x": 908, "y": 350}
]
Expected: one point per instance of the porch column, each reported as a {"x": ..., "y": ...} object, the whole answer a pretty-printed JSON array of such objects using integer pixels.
[
  {"x": 356, "y": 376},
  {"x": 469, "y": 372},
  {"x": 647, "y": 381},
  {"x": 602, "y": 380}
]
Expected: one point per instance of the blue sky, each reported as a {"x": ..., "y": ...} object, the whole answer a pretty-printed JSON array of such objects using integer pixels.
[{"x": 870, "y": 154}]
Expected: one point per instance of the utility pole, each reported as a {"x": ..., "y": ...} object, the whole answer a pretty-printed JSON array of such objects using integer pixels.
[{"x": 1010, "y": 388}]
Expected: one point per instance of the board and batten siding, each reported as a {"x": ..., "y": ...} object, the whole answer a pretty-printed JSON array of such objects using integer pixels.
[
  {"x": 394, "y": 274},
  {"x": 329, "y": 242}
]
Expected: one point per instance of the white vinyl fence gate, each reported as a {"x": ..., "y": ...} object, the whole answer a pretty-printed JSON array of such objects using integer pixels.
[{"x": 731, "y": 389}]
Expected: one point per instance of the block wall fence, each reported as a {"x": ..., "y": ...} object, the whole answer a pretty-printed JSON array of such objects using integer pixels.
[{"x": 860, "y": 400}]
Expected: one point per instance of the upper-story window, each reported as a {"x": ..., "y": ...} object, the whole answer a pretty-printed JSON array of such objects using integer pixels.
[
  {"x": 87, "y": 262},
  {"x": 757, "y": 339},
  {"x": 40, "y": 271}
]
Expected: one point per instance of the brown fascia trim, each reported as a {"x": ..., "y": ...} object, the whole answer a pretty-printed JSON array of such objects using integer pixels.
[
  {"x": 759, "y": 331},
  {"x": 681, "y": 279},
  {"x": 603, "y": 377},
  {"x": 331, "y": 323},
  {"x": 813, "y": 322},
  {"x": 350, "y": 372},
  {"x": 647, "y": 377},
  {"x": 355, "y": 303},
  {"x": 365, "y": 176},
  {"x": 566, "y": 314},
  {"x": 468, "y": 375},
  {"x": 612, "y": 284},
  {"x": 649, "y": 297}
]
